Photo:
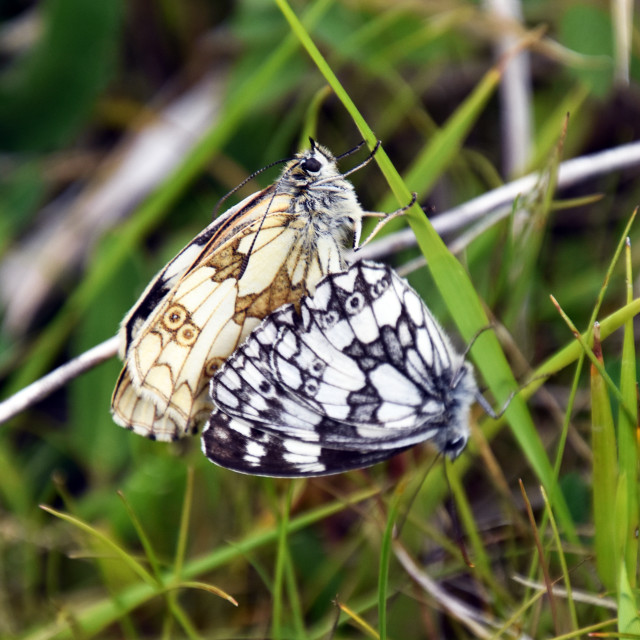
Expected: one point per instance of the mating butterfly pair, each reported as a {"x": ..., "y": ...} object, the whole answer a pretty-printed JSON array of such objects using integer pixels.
[{"x": 360, "y": 374}]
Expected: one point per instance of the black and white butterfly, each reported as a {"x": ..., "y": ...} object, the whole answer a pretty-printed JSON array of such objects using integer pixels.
[{"x": 361, "y": 373}]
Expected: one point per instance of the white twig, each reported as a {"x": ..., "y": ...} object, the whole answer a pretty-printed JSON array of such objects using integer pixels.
[
  {"x": 622, "y": 12},
  {"x": 570, "y": 172},
  {"x": 48, "y": 384},
  {"x": 578, "y": 596},
  {"x": 515, "y": 87}
]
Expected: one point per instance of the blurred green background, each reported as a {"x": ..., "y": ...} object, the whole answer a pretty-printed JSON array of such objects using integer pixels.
[{"x": 121, "y": 126}]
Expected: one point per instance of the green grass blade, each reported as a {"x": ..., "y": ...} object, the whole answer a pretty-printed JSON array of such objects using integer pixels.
[
  {"x": 293, "y": 593},
  {"x": 585, "y": 338},
  {"x": 480, "y": 558},
  {"x": 526, "y": 240},
  {"x": 144, "y": 539},
  {"x": 572, "y": 351},
  {"x": 434, "y": 486},
  {"x": 98, "y": 616},
  {"x": 562, "y": 559},
  {"x": 542, "y": 560},
  {"x": 203, "y": 586},
  {"x": 183, "y": 536},
  {"x": 443, "y": 147},
  {"x": 358, "y": 621},
  {"x": 596, "y": 361},
  {"x": 133, "y": 564},
  {"x": 628, "y": 618},
  {"x": 281, "y": 560},
  {"x": 302, "y": 34},
  {"x": 181, "y": 548},
  {"x": 604, "y": 477},
  {"x": 628, "y": 518}
]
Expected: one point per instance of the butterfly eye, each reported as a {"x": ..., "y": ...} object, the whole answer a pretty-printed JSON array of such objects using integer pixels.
[
  {"x": 354, "y": 303},
  {"x": 454, "y": 446},
  {"x": 311, "y": 165}
]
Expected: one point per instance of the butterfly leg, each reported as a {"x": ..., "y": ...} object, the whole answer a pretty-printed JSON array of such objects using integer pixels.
[{"x": 386, "y": 217}]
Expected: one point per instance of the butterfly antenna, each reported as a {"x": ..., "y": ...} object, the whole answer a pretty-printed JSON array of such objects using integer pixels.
[
  {"x": 364, "y": 163},
  {"x": 480, "y": 399},
  {"x": 312, "y": 142},
  {"x": 245, "y": 260},
  {"x": 351, "y": 151},
  {"x": 477, "y": 334},
  {"x": 248, "y": 179}
]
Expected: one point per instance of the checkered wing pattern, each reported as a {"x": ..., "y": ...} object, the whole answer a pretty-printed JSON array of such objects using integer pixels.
[{"x": 362, "y": 372}]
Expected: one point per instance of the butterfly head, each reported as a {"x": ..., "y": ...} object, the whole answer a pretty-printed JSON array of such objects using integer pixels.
[
  {"x": 463, "y": 391},
  {"x": 310, "y": 166}
]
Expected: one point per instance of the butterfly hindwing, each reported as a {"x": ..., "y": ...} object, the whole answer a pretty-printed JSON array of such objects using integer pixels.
[
  {"x": 252, "y": 391},
  {"x": 242, "y": 446}
]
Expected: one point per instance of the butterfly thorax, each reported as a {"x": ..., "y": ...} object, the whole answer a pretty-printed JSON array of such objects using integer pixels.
[{"x": 324, "y": 204}]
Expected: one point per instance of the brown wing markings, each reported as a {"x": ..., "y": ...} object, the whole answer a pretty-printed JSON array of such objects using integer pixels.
[
  {"x": 212, "y": 365},
  {"x": 259, "y": 305},
  {"x": 177, "y": 321},
  {"x": 228, "y": 261},
  {"x": 189, "y": 398},
  {"x": 216, "y": 234},
  {"x": 243, "y": 221},
  {"x": 216, "y": 340},
  {"x": 201, "y": 405}
]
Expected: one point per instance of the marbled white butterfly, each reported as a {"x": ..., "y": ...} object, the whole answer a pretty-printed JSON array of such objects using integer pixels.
[
  {"x": 360, "y": 374},
  {"x": 270, "y": 249}
]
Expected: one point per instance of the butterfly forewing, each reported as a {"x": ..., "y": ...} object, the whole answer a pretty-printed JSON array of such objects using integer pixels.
[
  {"x": 269, "y": 250},
  {"x": 363, "y": 367}
]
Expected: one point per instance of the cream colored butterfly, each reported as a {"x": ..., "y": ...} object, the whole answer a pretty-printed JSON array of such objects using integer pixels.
[{"x": 270, "y": 249}]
